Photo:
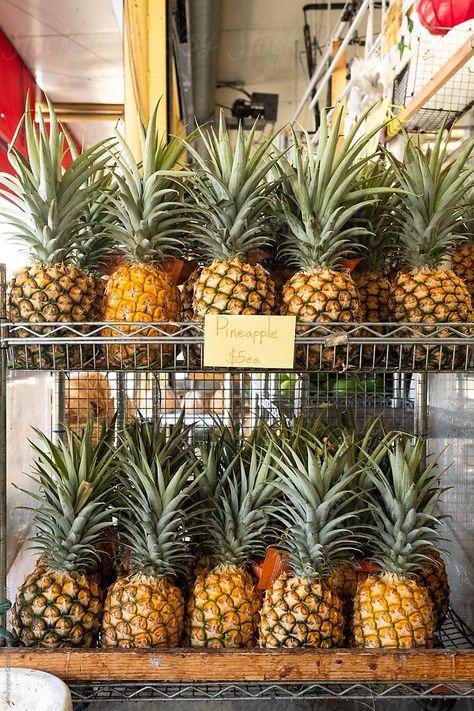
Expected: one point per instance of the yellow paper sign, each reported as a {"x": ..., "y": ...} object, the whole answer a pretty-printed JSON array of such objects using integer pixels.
[{"x": 249, "y": 341}]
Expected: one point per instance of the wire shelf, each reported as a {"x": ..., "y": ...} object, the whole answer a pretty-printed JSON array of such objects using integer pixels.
[
  {"x": 251, "y": 691},
  {"x": 455, "y": 634},
  {"x": 179, "y": 347}
]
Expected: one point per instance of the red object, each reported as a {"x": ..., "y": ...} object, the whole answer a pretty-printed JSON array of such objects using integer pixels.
[
  {"x": 439, "y": 16},
  {"x": 16, "y": 83}
]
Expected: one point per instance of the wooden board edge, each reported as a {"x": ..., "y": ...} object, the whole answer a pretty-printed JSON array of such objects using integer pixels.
[{"x": 246, "y": 665}]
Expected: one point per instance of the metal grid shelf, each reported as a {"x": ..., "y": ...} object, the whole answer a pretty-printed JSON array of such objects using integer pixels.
[
  {"x": 251, "y": 691},
  {"x": 179, "y": 347}
]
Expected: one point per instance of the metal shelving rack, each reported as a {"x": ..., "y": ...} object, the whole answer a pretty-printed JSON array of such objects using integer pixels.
[{"x": 374, "y": 368}]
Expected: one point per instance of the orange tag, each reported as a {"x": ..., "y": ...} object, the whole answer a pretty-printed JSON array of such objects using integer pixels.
[
  {"x": 348, "y": 265},
  {"x": 365, "y": 566},
  {"x": 274, "y": 564}
]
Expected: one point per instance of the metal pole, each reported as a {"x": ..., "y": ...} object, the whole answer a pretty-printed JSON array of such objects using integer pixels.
[
  {"x": 350, "y": 32},
  {"x": 59, "y": 405},
  {"x": 121, "y": 401},
  {"x": 3, "y": 443},
  {"x": 339, "y": 29},
  {"x": 421, "y": 410}
]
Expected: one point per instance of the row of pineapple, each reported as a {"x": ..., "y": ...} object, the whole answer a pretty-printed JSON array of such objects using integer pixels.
[
  {"x": 154, "y": 542},
  {"x": 322, "y": 208}
]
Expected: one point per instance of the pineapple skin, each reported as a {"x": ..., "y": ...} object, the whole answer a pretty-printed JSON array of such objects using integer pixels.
[
  {"x": 192, "y": 353},
  {"x": 233, "y": 287},
  {"x": 433, "y": 576},
  {"x": 223, "y": 609},
  {"x": 140, "y": 293},
  {"x": 429, "y": 296},
  {"x": 142, "y": 612},
  {"x": 392, "y": 613},
  {"x": 373, "y": 289},
  {"x": 324, "y": 295},
  {"x": 298, "y": 612},
  {"x": 50, "y": 293},
  {"x": 462, "y": 260},
  {"x": 57, "y": 609}
]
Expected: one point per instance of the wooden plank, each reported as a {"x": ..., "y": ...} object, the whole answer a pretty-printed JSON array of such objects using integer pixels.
[
  {"x": 246, "y": 665},
  {"x": 442, "y": 76}
]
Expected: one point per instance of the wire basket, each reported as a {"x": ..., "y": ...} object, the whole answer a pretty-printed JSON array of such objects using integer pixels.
[{"x": 428, "y": 55}]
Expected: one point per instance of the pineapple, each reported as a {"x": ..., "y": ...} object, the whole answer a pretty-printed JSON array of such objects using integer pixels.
[
  {"x": 434, "y": 578},
  {"x": 147, "y": 217},
  {"x": 230, "y": 213},
  {"x": 462, "y": 260},
  {"x": 428, "y": 218},
  {"x": 462, "y": 257},
  {"x": 320, "y": 198},
  {"x": 370, "y": 275},
  {"x": 60, "y": 603},
  {"x": 145, "y": 606},
  {"x": 302, "y": 607},
  {"x": 224, "y": 602},
  {"x": 96, "y": 246},
  {"x": 192, "y": 353},
  {"x": 392, "y": 608},
  {"x": 49, "y": 203}
]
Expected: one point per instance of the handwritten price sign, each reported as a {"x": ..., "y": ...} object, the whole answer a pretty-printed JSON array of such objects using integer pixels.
[{"x": 249, "y": 341}]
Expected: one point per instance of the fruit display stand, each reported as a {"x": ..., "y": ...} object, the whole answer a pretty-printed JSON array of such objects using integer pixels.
[{"x": 375, "y": 370}]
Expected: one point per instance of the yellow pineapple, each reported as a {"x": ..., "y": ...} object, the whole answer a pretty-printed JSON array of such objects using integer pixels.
[
  {"x": 319, "y": 200},
  {"x": 428, "y": 219},
  {"x": 45, "y": 207},
  {"x": 224, "y": 602},
  {"x": 302, "y": 607},
  {"x": 393, "y": 608},
  {"x": 462, "y": 260},
  {"x": 434, "y": 577},
  {"x": 230, "y": 213},
  {"x": 145, "y": 606},
  {"x": 60, "y": 603},
  {"x": 147, "y": 216}
]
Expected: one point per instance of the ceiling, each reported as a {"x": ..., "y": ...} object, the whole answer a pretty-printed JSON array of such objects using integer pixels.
[{"x": 74, "y": 50}]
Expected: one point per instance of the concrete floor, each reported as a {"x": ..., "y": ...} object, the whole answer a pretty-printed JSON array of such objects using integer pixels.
[{"x": 464, "y": 705}]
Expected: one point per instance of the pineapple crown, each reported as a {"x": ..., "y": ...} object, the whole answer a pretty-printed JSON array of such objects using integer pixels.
[
  {"x": 431, "y": 208},
  {"x": 238, "y": 518},
  {"x": 376, "y": 217},
  {"x": 158, "y": 482},
  {"x": 144, "y": 209},
  {"x": 317, "y": 512},
  {"x": 320, "y": 195},
  {"x": 76, "y": 494},
  {"x": 404, "y": 507},
  {"x": 49, "y": 202},
  {"x": 230, "y": 209},
  {"x": 95, "y": 243}
]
